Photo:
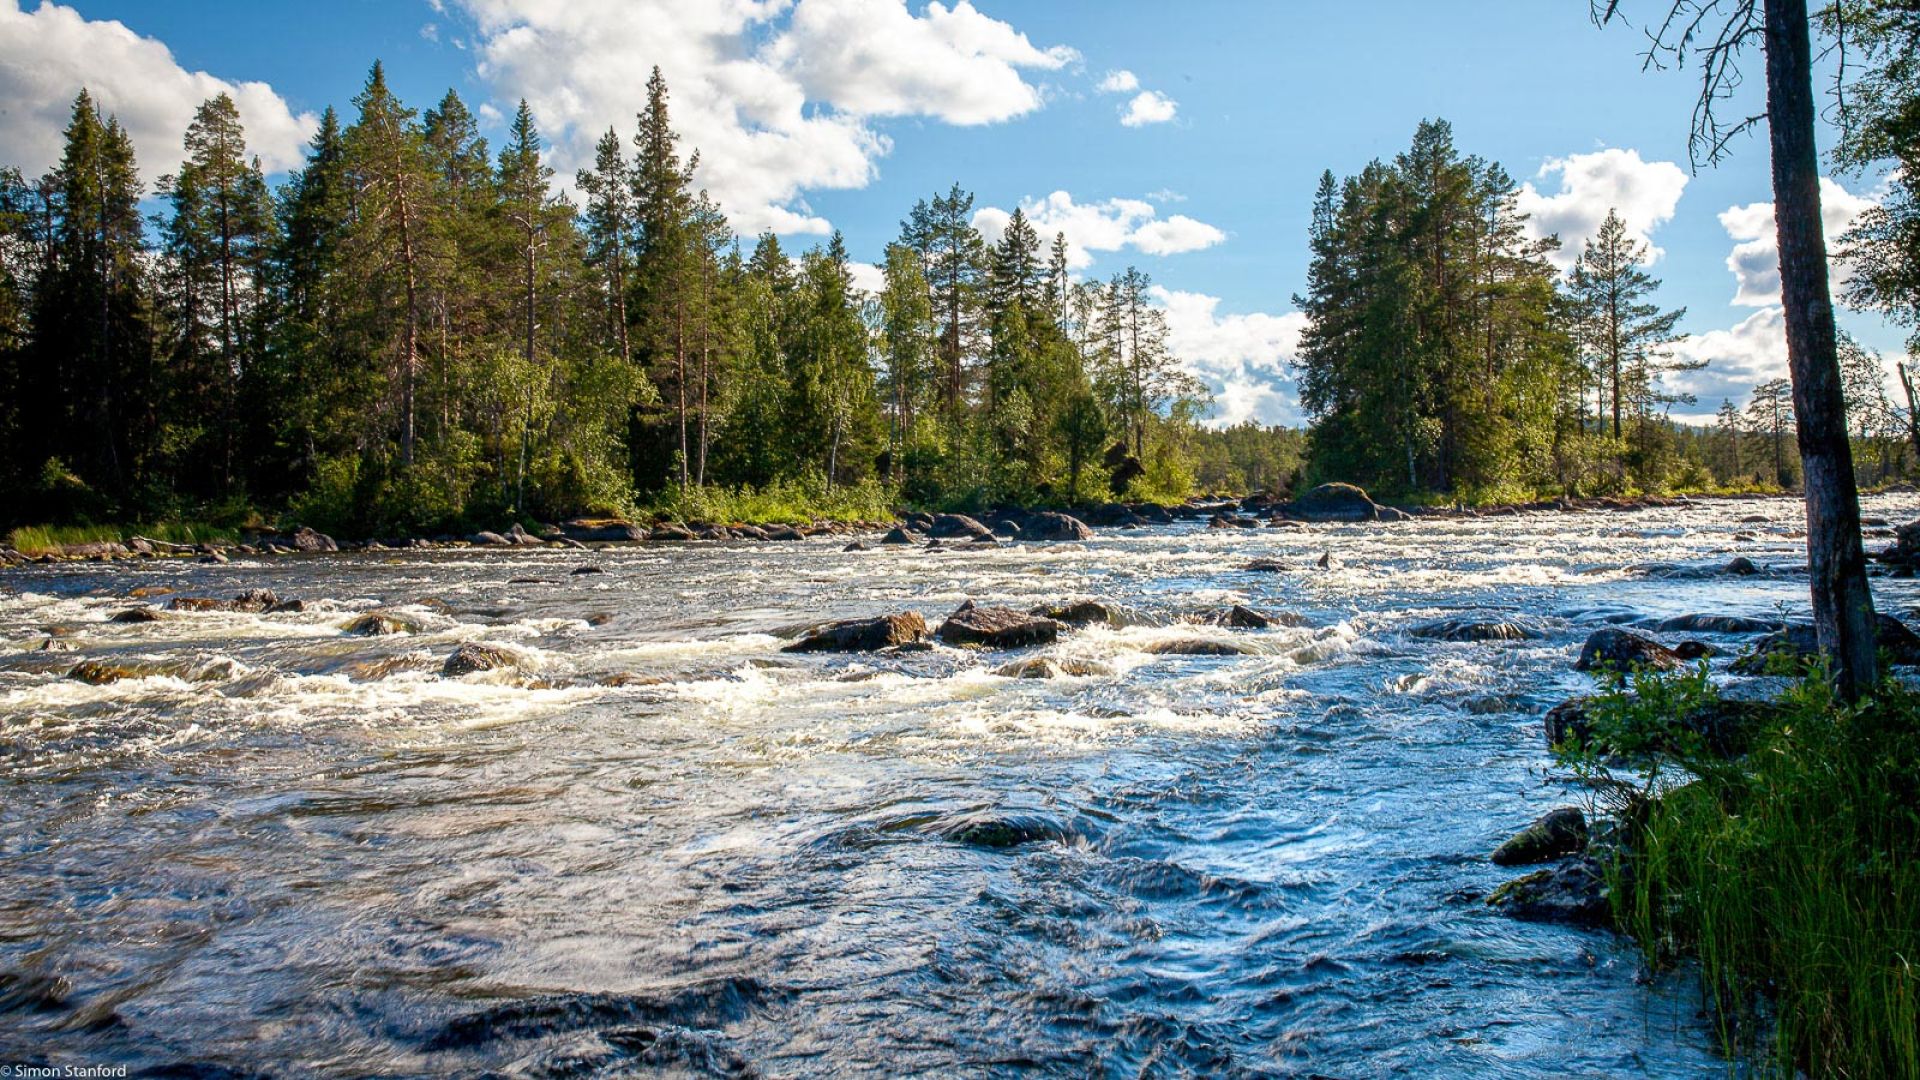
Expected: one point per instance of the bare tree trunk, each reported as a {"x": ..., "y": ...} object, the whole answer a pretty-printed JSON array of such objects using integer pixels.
[
  {"x": 680, "y": 377},
  {"x": 1842, "y": 603},
  {"x": 1913, "y": 408}
]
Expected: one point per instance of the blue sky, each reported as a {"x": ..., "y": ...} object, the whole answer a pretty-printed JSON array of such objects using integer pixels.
[{"x": 822, "y": 114}]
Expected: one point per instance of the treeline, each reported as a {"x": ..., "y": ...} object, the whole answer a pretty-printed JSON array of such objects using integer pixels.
[
  {"x": 1445, "y": 352},
  {"x": 416, "y": 329}
]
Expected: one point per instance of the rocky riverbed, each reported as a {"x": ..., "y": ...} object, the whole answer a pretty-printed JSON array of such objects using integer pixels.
[{"x": 1163, "y": 797}]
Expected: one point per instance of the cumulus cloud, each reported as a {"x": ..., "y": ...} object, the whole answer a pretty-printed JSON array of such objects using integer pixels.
[
  {"x": 1749, "y": 352},
  {"x": 1643, "y": 193},
  {"x": 1119, "y": 82},
  {"x": 1244, "y": 359},
  {"x": 47, "y": 56},
  {"x": 1109, "y": 225},
  {"x": 778, "y": 98},
  {"x": 1148, "y": 107},
  {"x": 1755, "y": 259}
]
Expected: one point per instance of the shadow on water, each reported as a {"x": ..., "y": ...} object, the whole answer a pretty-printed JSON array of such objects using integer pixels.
[{"x": 652, "y": 843}]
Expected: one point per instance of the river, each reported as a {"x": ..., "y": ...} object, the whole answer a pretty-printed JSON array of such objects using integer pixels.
[{"x": 661, "y": 845}]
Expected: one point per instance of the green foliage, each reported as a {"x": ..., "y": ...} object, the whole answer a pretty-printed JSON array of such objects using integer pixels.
[
  {"x": 1791, "y": 873},
  {"x": 791, "y": 501}
]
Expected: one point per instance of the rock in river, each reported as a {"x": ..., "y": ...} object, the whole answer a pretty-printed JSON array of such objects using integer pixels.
[
  {"x": 1798, "y": 640},
  {"x": 1048, "y": 525},
  {"x": 1552, "y": 835},
  {"x": 862, "y": 635},
  {"x": 379, "y": 623},
  {"x": 954, "y": 526},
  {"x": 1622, "y": 651},
  {"x": 305, "y": 539},
  {"x": 1334, "y": 502},
  {"x": 996, "y": 627},
  {"x": 1473, "y": 630},
  {"x": 1079, "y": 613},
  {"x": 475, "y": 656},
  {"x": 1052, "y": 667},
  {"x": 1573, "y": 892},
  {"x": 1715, "y": 624}
]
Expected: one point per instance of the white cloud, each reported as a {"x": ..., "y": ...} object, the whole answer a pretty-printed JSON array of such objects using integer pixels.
[
  {"x": 1119, "y": 82},
  {"x": 1749, "y": 352},
  {"x": 866, "y": 276},
  {"x": 1755, "y": 259},
  {"x": 1109, "y": 225},
  {"x": 1148, "y": 107},
  {"x": 1643, "y": 193},
  {"x": 47, "y": 56},
  {"x": 779, "y": 98},
  {"x": 1244, "y": 359}
]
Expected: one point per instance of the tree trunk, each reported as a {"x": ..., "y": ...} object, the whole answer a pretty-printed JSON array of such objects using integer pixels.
[
  {"x": 1913, "y": 408},
  {"x": 1842, "y": 603}
]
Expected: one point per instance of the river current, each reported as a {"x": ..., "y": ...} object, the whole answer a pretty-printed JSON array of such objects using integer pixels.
[{"x": 659, "y": 845}]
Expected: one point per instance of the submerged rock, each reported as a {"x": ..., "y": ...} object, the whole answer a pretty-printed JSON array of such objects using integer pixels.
[
  {"x": 1552, "y": 835},
  {"x": 1458, "y": 629},
  {"x": 996, "y": 627},
  {"x": 1740, "y": 566},
  {"x": 1052, "y": 667},
  {"x": 137, "y": 615},
  {"x": 475, "y": 656},
  {"x": 1618, "y": 650},
  {"x": 581, "y": 571},
  {"x": 1078, "y": 613},
  {"x": 1574, "y": 892},
  {"x": 1197, "y": 647},
  {"x": 863, "y": 635},
  {"x": 1715, "y": 624},
  {"x": 995, "y": 829},
  {"x": 1265, "y": 566}
]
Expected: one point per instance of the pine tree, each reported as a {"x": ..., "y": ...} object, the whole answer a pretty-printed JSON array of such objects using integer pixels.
[
  {"x": 1625, "y": 338},
  {"x": 664, "y": 257},
  {"x": 609, "y": 225},
  {"x": 955, "y": 256}
]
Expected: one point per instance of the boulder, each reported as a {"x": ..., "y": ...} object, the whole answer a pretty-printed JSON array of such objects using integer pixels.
[
  {"x": 589, "y": 531},
  {"x": 1265, "y": 566},
  {"x": 1050, "y": 525},
  {"x": 1394, "y": 513},
  {"x": 141, "y": 614},
  {"x": 856, "y": 546},
  {"x": 1799, "y": 640},
  {"x": 1008, "y": 528},
  {"x": 1241, "y": 617},
  {"x": 669, "y": 530},
  {"x": 1575, "y": 892},
  {"x": 954, "y": 526},
  {"x": 1457, "y": 629},
  {"x": 782, "y": 532},
  {"x": 994, "y": 829},
  {"x": 996, "y": 627},
  {"x": 379, "y": 624},
  {"x": 1724, "y": 726},
  {"x": 863, "y": 635},
  {"x": 1740, "y": 566},
  {"x": 1715, "y": 624},
  {"x": 1554, "y": 834},
  {"x": 1334, "y": 502},
  {"x": 306, "y": 539},
  {"x": 519, "y": 535},
  {"x": 1694, "y": 650},
  {"x": 1622, "y": 651},
  {"x": 483, "y": 538},
  {"x": 582, "y": 571},
  {"x": 94, "y": 549},
  {"x": 1078, "y": 613},
  {"x": 475, "y": 656},
  {"x": 899, "y": 535}
]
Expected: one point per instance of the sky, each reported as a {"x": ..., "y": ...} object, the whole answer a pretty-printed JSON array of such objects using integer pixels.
[{"x": 1184, "y": 139}]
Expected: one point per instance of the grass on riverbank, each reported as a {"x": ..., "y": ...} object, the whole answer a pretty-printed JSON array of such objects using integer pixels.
[
  {"x": 47, "y": 539},
  {"x": 1791, "y": 874},
  {"x": 785, "y": 502}
]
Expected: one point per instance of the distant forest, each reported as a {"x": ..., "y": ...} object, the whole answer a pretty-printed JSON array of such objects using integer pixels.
[{"x": 417, "y": 331}]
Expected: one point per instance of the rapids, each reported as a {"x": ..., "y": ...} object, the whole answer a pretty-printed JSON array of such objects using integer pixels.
[{"x": 656, "y": 843}]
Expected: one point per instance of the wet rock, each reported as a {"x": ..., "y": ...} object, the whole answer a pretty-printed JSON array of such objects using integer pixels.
[
  {"x": 1740, "y": 566},
  {"x": 582, "y": 571},
  {"x": 1232, "y": 521},
  {"x": 988, "y": 540},
  {"x": 1052, "y": 667},
  {"x": 529, "y": 581},
  {"x": 863, "y": 635},
  {"x": 1241, "y": 617},
  {"x": 475, "y": 656},
  {"x": 955, "y": 526},
  {"x": 672, "y": 531},
  {"x": 253, "y": 600},
  {"x": 1575, "y": 893},
  {"x": 1050, "y": 525},
  {"x": 856, "y": 546},
  {"x": 586, "y": 530},
  {"x": 1079, "y": 613},
  {"x": 307, "y": 540},
  {"x": 899, "y": 535},
  {"x": 519, "y": 535},
  {"x": 1724, "y": 726},
  {"x": 137, "y": 615},
  {"x": 996, "y": 627},
  {"x": 600, "y": 618},
  {"x": 1197, "y": 647},
  {"x": 1008, "y": 528},
  {"x": 1394, "y": 513},
  {"x": 214, "y": 558},
  {"x": 1265, "y": 566},
  {"x": 102, "y": 672},
  {"x": 1695, "y": 650},
  {"x": 996, "y": 829},
  {"x": 94, "y": 549},
  {"x": 483, "y": 538},
  {"x": 380, "y": 624},
  {"x": 1334, "y": 502},
  {"x": 783, "y": 532},
  {"x": 1552, "y": 835},
  {"x": 1800, "y": 641},
  {"x": 1621, "y": 651},
  {"x": 1460, "y": 629},
  {"x": 1715, "y": 624}
]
